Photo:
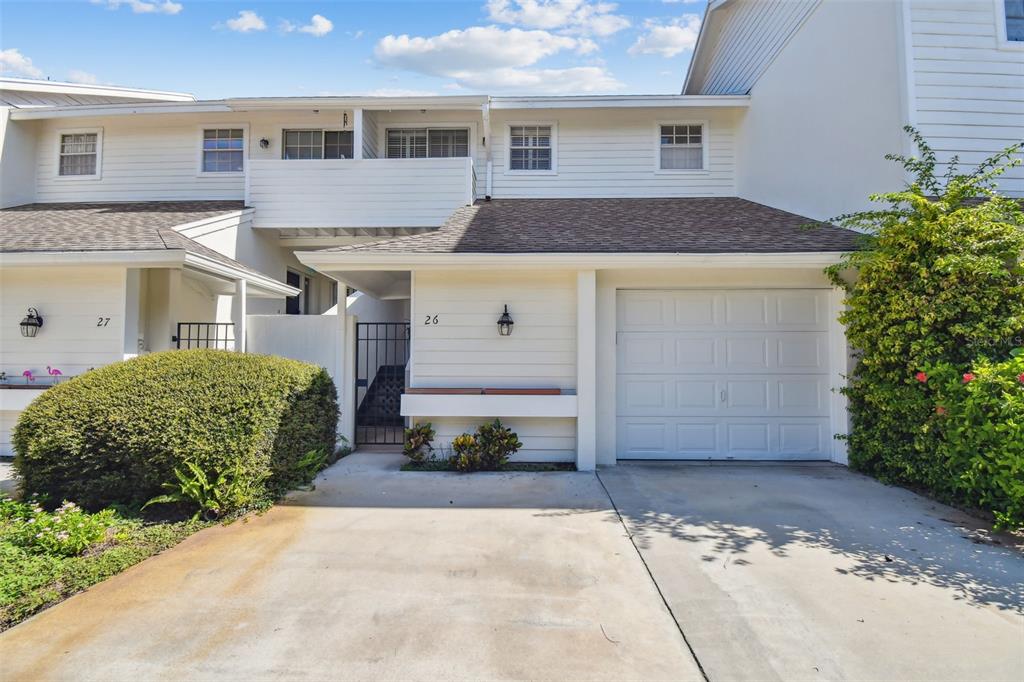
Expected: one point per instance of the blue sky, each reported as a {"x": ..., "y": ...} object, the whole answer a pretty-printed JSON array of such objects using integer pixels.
[{"x": 228, "y": 49}]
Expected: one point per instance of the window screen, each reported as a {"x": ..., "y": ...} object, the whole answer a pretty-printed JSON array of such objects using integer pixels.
[
  {"x": 223, "y": 149},
  {"x": 682, "y": 147},
  {"x": 78, "y": 154}
]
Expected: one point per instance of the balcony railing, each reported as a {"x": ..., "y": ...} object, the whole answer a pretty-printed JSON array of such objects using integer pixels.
[{"x": 358, "y": 193}]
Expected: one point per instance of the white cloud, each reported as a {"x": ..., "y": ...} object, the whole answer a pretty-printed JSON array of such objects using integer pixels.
[
  {"x": 142, "y": 7},
  {"x": 318, "y": 26},
  {"x": 478, "y": 48},
  {"x": 669, "y": 39},
  {"x": 84, "y": 77},
  {"x": 14, "y": 63},
  {"x": 682, "y": 2},
  {"x": 247, "y": 21},
  {"x": 576, "y": 16},
  {"x": 493, "y": 58}
]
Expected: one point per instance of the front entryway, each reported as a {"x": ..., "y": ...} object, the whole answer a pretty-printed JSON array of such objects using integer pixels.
[
  {"x": 723, "y": 374},
  {"x": 382, "y": 353}
]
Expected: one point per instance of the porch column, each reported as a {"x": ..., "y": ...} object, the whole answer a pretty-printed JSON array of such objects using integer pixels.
[
  {"x": 357, "y": 134},
  {"x": 239, "y": 311},
  {"x": 586, "y": 370},
  {"x": 344, "y": 367},
  {"x": 132, "y": 321}
]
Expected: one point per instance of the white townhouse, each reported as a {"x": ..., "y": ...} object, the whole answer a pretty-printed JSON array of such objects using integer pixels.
[{"x": 616, "y": 277}]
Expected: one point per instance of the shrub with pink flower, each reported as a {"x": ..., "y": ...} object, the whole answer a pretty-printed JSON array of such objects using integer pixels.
[{"x": 67, "y": 531}]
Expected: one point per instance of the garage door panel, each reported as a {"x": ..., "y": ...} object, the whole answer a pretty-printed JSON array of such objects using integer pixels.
[
  {"x": 723, "y": 374},
  {"x": 732, "y": 438},
  {"x": 710, "y": 395}
]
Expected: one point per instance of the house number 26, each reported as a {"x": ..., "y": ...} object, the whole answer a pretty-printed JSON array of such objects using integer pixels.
[{"x": 431, "y": 319}]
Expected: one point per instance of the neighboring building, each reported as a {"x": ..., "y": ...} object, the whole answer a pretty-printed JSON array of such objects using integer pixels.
[{"x": 666, "y": 298}]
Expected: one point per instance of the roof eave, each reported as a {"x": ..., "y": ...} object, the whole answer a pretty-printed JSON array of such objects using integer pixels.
[
  {"x": 362, "y": 260},
  {"x": 138, "y": 258}
]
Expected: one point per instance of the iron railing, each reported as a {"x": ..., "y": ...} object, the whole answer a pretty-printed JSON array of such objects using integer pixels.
[
  {"x": 220, "y": 335},
  {"x": 382, "y": 352}
]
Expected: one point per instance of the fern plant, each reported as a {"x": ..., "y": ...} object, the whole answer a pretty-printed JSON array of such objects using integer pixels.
[{"x": 212, "y": 497}]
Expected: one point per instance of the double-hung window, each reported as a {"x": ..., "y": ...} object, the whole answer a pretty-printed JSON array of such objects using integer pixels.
[
  {"x": 317, "y": 144},
  {"x": 423, "y": 143},
  {"x": 79, "y": 154},
  {"x": 681, "y": 146},
  {"x": 223, "y": 150},
  {"x": 530, "y": 148},
  {"x": 1014, "y": 10}
]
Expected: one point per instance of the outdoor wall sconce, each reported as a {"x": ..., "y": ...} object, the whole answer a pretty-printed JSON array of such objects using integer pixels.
[
  {"x": 505, "y": 323},
  {"x": 264, "y": 143},
  {"x": 31, "y": 324}
]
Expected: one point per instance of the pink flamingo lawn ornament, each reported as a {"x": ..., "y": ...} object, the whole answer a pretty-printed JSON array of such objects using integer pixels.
[
  {"x": 53, "y": 371},
  {"x": 28, "y": 375}
]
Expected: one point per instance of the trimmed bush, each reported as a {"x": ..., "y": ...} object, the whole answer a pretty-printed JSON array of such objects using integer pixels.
[
  {"x": 117, "y": 434},
  {"x": 940, "y": 280}
]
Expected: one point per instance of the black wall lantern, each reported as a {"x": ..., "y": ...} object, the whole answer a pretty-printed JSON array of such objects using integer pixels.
[
  {"x": 505, "y": 323},
  {"x": 32, "y": 323}
]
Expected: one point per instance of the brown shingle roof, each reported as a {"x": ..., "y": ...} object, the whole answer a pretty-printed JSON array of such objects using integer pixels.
[
  {"x": 689, "y": 225},
  {"x": 134, "y": 226}
]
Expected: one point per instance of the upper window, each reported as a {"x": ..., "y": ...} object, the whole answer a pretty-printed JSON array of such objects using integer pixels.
[
  {"x": 79, "y": 153},
  {"x": 1014, "y": 19},
  {"x": 530, "y": 148},
  {"x": 317, "y": 144},
  {"x": 422, "y": 143},
  {"x": 223, "y": 150},
  {"x": 681, "y": 147}
]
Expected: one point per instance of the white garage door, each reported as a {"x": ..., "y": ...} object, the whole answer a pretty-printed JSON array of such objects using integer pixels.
[{"x": 722, "y": 375}]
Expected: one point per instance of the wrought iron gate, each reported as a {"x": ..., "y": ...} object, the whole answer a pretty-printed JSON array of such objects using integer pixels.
[{"x": 382, "y": 352}]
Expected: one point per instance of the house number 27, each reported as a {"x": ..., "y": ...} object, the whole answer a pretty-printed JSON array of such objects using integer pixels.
[
  {"x": 103, "y": 322},
  {"x": 431, "y": 319}
]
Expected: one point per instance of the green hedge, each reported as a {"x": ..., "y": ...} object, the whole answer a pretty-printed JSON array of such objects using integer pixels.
[
  {"x": 940, "y": 280},
  {"x": 977, "y": 417},
  {"x": 116, "y": 434}
]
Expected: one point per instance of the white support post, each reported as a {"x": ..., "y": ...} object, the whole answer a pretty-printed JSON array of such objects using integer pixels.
[
  {"x": 357, "y": 134},
  {"x": 586, "y": 370},
  {"x": 132, "y": 321},
  {"x": 348, "y": 388},
  {"x": 240, "y": 310}
]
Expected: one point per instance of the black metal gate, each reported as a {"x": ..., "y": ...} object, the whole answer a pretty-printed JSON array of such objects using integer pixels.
[
  {"x": 219, "y": 335},
  {"x": 382, "y": 352}
]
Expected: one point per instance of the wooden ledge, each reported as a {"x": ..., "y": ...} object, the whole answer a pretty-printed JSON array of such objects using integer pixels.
[{"x": 483, "y": 391}]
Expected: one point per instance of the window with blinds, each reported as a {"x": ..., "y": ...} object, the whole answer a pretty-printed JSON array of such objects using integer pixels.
[
  {"x": 316, "y": 144},
  {"x": 530, "y": 148},
  {"x": 423, "y": 143},
  {"x": 682, "y": 147},
  {"x": 78, "y": 153},
  {"x": 1014, "y": 19}
]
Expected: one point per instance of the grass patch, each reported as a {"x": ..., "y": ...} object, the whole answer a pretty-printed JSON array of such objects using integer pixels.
[
  {"x": 444, "y": 465},
  {"x": 34, "y": 577}
]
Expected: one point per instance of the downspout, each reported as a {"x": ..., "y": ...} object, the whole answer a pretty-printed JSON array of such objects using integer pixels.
[{"x": 485, "y": 111}]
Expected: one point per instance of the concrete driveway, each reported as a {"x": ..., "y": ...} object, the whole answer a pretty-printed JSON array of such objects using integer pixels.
[
  {"x": 770, "y": 573},
  {"x": 814, "y": 572},
  {"x": 378, "y": 575}
]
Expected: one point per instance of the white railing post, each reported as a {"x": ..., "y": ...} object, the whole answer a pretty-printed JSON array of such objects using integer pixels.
[{"x": 357, "y": 134}]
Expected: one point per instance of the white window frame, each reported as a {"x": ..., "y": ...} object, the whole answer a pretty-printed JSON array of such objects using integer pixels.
[
  {"x": 382, "y": 136},
  {"x": 98, "y": 175},
  {"x": 1002, "y": 42},
  {"x": 321, "y": 129},
  {"x": 508, "y": 148},
  {"x": 199, "y": 150},
  {"x": 705, "y": 137}
]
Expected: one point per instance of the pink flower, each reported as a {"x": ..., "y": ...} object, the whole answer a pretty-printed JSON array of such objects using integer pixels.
[
  {"x": 968, "y": 378},
  {"x": 921, "y": 376},
  {"x": 940, "y": 410},
  {"x": 1020, "y": 378}
]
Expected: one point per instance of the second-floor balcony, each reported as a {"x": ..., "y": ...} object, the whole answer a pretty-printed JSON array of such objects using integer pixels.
[{"x": 343, "y": 193}]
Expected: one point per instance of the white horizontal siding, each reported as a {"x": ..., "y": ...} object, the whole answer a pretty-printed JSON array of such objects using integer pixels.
[
  {"x": 968, "y": 89},
  {"x": 71, "y": 300},
  {"x": 544, "y": 440},
  {"x": 464, "y": 349},
  {"x": 364, "y": 193},
  {"x": 142, "y": 160},
  {"x": 614, "y": 153}
]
